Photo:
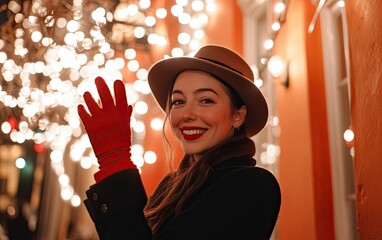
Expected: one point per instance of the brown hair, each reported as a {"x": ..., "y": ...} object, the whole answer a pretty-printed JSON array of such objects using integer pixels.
[{"x": 176, "y": 189}]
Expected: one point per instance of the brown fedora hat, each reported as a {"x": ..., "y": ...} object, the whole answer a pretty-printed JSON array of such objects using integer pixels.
[{"x": 225, "y": 64}]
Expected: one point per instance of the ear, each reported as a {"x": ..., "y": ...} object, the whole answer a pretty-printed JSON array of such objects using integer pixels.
[{"x": 239, "y": 116}]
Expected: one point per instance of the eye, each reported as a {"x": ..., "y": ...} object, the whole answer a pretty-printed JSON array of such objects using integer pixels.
[
  {"x": 207, "y": 100},
  {"x": 176, "y": 102}
]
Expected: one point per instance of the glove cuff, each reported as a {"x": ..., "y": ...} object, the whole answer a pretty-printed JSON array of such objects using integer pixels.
[
  {"x": 114, "y": 167},
  {"x": 100, "y": 152}
]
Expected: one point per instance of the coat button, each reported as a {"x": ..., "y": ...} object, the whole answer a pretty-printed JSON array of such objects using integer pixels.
[
  {"x": 103, "y": 208},
  {"x": 95, "y": 196}
]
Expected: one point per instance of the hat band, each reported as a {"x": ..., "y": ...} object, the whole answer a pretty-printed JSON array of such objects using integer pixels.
[{"x": 223, "y": 65}]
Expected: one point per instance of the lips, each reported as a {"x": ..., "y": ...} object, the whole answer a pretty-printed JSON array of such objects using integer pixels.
[{"x": 192, "y": 133}]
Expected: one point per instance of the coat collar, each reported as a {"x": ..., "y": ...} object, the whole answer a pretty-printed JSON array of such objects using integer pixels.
[{"x": 237, "y": 147}]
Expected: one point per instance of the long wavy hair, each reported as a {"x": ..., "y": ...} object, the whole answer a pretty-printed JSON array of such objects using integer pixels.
[{"x": 176, "y": 189}]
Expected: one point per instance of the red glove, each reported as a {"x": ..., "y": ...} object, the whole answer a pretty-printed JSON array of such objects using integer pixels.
[{"x": 108, "y": 128}]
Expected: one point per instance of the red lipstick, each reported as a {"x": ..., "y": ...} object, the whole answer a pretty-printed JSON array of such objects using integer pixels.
[{"x": 192, "y": 133}]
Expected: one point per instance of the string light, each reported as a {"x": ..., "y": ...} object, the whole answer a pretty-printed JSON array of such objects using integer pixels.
[
  {"x": 150, "y": 157},
  {"x": 280, "y": 9},
  {"x": 20, "y": 163},
  {"x": 156, "y": 124},
  {"x": 349, "y": 139},
  {"x": 271, "y": 152},
  {"x": 341, "y": 3},
  {"x": 348, "y": 135},
  {"x": 52, "y": 59}
]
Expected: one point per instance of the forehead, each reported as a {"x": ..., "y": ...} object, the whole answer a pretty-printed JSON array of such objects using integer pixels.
[{"x": 193, "y": 79}]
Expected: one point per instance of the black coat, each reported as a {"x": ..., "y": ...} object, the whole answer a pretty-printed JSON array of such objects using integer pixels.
[{"x": 238, "y": 201}]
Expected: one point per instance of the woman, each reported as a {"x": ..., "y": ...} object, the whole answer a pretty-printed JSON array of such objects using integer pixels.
[{"x": 213, "y": 107}]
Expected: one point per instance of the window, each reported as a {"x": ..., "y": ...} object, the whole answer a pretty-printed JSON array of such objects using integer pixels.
[{"x": 335, "y": 50}]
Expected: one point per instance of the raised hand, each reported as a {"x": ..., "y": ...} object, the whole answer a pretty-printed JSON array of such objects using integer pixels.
[{"x": 108, "y": 128}]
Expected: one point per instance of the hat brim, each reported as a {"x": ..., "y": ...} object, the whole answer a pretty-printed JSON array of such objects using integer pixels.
[{"x": 162, "y": 75}]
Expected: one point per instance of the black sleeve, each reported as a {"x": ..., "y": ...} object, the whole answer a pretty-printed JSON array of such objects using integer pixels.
[{"x": 116, "y": 207}]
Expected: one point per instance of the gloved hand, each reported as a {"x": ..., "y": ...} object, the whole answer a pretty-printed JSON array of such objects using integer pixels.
[{"x": 108, "y": 128}]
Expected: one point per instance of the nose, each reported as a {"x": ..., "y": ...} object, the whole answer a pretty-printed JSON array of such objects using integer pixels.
[{"x": 188, "y": 112}]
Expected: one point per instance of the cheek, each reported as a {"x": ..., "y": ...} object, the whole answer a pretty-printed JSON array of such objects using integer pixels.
[
  {"x": 219, "y": 114},
  {"x": 218, "y": 117}
]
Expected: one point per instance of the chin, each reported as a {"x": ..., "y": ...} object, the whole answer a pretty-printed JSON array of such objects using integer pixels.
[
  {"x": 194, "y": 151},
  {"x": 190, "y": 151}
]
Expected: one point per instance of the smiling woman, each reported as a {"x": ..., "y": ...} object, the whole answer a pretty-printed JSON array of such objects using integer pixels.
[
  {"x": 217, "y": 192},
  {"x": 201, "y": 114}
]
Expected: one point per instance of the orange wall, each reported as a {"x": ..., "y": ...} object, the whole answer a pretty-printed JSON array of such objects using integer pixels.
[
  {"x": 306, "y": 211},
  {"x": 226, "y": 26},
  {"x": 295, "y": 164},
  {"x": 365, "y": 44}
]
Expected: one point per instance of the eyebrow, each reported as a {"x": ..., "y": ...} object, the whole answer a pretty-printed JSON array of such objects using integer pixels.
[{"x": 200, "y": 90}]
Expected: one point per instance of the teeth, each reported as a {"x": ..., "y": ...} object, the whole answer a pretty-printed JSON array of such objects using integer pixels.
[{"x": 193, "y": 132}]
